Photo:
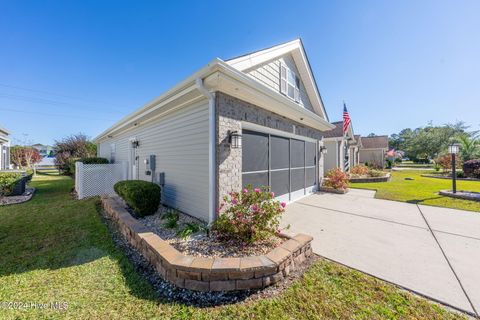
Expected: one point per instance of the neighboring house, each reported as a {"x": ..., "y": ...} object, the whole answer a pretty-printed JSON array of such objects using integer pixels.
[
  {"x": 373, "y": 150},
  {"x": 339, "y": 146},
  {"x": 44, "y": 150},
  {"x": 253, "y": 120},
  {"x": 4, "y": 149}
]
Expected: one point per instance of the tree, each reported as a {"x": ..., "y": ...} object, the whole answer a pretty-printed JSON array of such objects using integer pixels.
[
  {"x": 72, "y": 148},
  {"x": 469, "y": 147},
  {"x": 24, "y": 157},
  {"x": 427, "y": 142}
]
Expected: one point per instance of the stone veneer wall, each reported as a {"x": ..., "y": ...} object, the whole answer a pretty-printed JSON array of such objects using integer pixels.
[
  {"x": 208, "y": 274},
  {"x": 230, "y": 112}
]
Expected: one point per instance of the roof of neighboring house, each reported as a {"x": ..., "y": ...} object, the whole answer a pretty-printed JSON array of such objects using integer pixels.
[
  {"x": 336, "y": 132},
  {"x": 376, "y": 142}
]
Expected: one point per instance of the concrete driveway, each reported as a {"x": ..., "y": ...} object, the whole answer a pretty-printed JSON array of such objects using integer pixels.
[{"x": 432, "y": 251}]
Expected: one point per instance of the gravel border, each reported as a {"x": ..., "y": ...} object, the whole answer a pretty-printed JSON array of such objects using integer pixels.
[
  {"x": 11, "y": 200},
  {"x": 170, "y": 293},
  {"x": 201, "y": 244}
]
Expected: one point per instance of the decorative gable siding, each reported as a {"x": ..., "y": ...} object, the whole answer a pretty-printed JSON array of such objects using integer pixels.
[{"x": 269, "y": 75}]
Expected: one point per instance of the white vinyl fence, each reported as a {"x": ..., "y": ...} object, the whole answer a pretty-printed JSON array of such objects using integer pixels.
[{"x": 98, "y": 179}]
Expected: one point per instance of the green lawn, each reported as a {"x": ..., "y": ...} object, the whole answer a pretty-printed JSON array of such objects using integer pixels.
[
  {"x": 422, "y": 190},
  {"x": 56, "y": 249}
]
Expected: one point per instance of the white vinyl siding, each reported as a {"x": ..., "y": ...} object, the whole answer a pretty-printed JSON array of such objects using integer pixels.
[
  {"x": 179, "y": 141},
  {"x": 269, "y": 75}
]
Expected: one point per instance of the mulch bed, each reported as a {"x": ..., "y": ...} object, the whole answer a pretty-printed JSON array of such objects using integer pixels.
[
  {"x": 200, "y": 244},
  {"x": 26, "y": 196},
  {"x": 170, "y": 293}
]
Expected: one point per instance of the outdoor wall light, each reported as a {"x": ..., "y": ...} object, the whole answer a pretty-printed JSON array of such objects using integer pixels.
[
  {"x": 323, "y": 149},
  {"x": 235, "y": 139},
  {"x": 135, "y": 143}
]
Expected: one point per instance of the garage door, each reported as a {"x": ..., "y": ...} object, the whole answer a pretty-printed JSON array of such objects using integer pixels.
[{"x": 286, "y": 165}]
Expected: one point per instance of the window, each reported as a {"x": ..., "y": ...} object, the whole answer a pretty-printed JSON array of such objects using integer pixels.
[{"x": 289, "y": 83}]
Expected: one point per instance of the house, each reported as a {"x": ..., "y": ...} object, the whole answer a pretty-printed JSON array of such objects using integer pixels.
[
  {"x": 43, "y": 150},
  {"x": 4, "y": 149},
  {"x": 340, "y": 147},
  {"x": 373, "y": 150},
  {"x": 256, "y": 119}
]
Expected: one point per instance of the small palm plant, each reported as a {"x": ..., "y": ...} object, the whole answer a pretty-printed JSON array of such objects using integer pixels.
[{"x": 469, "y": 147}]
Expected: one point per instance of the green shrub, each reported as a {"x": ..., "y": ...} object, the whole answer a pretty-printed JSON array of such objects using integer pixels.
[
  {"x": 90, "y": 160},
  {"x": 376, "y": 173},
  {"x": 172, "y": 217},
  {"x": 8, "y": 181},
  {"x": 188, "y": 230},
  {"x": 141, "y": 196},
  {"x": 94, "y": 160},
  {"x": 471, "y": 168},
  {"x": 249, "y": 215}
]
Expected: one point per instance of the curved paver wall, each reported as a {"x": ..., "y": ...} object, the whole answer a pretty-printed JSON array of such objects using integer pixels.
[{"x": 209, "y": 274}]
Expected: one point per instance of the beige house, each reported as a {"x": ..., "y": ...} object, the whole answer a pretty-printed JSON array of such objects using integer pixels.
[
  {"x": 257, "y": 119},
  {"x": 339, "y": 147},
  {"x": 373, "y": 150},
  {"x": 4, "y": 149}
]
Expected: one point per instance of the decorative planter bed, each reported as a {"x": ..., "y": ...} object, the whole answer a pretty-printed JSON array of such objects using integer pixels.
[
  {"x": 333, "y": 190},
  {"x": 370, "y": 179},
  {"x": 209, "y": 274},
  {"x": 461, "y": 194}
]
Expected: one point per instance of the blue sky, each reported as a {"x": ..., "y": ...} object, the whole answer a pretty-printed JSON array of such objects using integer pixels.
[{"x": 79, "y": 66}]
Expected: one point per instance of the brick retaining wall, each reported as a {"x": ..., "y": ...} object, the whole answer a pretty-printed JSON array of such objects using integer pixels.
[{"x": 209, "y": 274}]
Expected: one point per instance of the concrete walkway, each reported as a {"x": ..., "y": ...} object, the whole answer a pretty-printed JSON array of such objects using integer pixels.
[{"x": 429, "y": 250}]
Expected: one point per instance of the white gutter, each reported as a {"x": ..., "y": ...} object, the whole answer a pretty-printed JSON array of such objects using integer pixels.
[{"x": 211, "y": 149}]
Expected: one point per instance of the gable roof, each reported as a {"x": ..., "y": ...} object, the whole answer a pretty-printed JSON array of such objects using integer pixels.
[
  {"x": 296, "y": 49},
  {"x": 219, "y": 75},
  {"x": 376, "y": 142}
]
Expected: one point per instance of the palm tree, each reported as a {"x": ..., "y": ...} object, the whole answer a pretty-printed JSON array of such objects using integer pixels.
[{"x": 469, "y": 147}]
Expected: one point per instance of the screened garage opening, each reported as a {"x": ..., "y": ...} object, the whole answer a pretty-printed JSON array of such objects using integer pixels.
[{"x": 286, "y": 165}]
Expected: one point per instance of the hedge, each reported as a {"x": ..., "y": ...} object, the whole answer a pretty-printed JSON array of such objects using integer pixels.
[
  {"x": 471, "y": 168},
  {"x": 141, "y": 196},
  {"x": 8, "y": 181},
  {"x": 90, "y": 160}
]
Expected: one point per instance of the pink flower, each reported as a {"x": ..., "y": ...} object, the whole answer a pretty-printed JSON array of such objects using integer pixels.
[
  {"x": 255, "y": 207},
  {"x": 272, "y": 194},
  {"x": 245, "y": 190},
  {"x": 256, "y": 190},
  {"x": 283, "y": 204},
  {"x": 234, "y": 201}
]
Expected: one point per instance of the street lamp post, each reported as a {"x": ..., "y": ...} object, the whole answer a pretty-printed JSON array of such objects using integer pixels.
[{"x": 453, "y": 150}]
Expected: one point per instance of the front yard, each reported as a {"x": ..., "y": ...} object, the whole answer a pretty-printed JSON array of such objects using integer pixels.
[
  {"x": 56, "y": 249},
  {"x": 422, "y": 190}
]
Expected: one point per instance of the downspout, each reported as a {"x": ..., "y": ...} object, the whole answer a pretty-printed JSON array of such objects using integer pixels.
[{"x": 211, "y": 149}]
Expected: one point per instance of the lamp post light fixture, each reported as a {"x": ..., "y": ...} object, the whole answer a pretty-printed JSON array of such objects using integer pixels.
[
  {"x": 453, "y": 149},
  {"x": 235, "y": 139}
]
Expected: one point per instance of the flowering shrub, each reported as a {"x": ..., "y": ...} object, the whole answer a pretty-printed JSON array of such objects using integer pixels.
[
  {"x": 445, "y": 161},
  {"x": 336, "y": 179},
  {"x": 249, "y": 215},
  {"x": 359, "y": 170}
]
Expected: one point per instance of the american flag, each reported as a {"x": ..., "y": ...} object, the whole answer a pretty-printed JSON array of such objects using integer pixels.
[
  {"x": 346, "y": 124},
  {"x": 346, "y": 119}
]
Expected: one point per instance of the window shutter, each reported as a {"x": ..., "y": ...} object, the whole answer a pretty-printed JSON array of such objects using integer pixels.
[
  {"x": 297, "y": 89},
  {"x": 283, "y": 78}
]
